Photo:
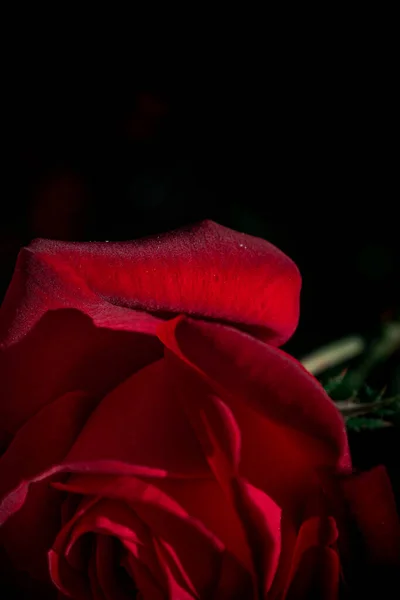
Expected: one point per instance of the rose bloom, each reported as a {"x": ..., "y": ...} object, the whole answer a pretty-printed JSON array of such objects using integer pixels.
[{"x": 156, "y": 443}]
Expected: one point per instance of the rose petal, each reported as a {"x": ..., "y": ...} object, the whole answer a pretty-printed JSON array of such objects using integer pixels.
[
  {"x": 142, "y": 423},
  {"x": 40, "y": 443},
  {"x": 317, "y": 577},
  {"x": 143, "y": 577},
  {"x": 46, "y": 506},
  {"x": 63, "y": 353},
  {"x": 205, "y": 501},
  {"x": 217, "y": 431},
  {"x": 95, "y": 587},
  {"x": 315, "y": 567},
  {"x": 44, "y": 440},
  {"x": 104, "y": 517},
  {"x": 198, "y": 549},
  {"x": 106, "y": 520},
  {"x": 106, "y": 566},
  {"x": 16, "y": 497},
  {"x": 233, "y": 583},
  {"x": 373, "y": 507},
  {"x": 162, "y": 439},
  {"x": 271, "y": 385},
  {"x": 67, "y": 573},
  {"x": 197, "y": 270},
  {"x": 176, "y": 588}
]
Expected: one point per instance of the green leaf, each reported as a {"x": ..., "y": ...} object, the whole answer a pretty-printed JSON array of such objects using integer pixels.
[
  {"x": 365, "y": 423},
  {"x": 343, "y": 387},
  {"x": 386, "y": 412},
  {"x": 368, "y": 394},
  {"x": 333, "y": 383}
]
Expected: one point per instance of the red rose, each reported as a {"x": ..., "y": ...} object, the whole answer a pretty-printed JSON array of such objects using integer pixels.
[{"x": 155, "y": 439}]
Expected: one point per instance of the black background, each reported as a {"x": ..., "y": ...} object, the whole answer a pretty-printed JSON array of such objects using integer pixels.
[{"x": 295, "y": 142}]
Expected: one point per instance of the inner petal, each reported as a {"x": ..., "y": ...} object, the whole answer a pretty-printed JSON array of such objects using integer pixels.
[{"x": 141, "y": 423}]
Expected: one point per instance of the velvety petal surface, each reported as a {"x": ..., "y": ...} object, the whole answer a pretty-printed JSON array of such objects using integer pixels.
[{"x": 205, "y": 270}]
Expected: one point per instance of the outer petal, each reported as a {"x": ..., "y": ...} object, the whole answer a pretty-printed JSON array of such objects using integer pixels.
[
  {"x": 372, "y": 508},
  {"x": 42, "y": 442},
  {"x": 63, "y": 353},
  {"x": 205, "y": 270}
]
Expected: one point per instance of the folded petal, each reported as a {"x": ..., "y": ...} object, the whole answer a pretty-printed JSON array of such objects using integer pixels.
[
  {"x": 217, "y": 431},
  {"x": 288, "y": 404}
]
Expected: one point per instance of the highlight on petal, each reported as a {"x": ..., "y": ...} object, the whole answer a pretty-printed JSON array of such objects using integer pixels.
[{"x": 205, "y": 270}]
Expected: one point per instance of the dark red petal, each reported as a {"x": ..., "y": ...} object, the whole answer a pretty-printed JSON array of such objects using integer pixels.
[
  {"x": 107, "y": 558},
  {"x": 104, "y": 517},
  {"x": 199, "y": 551},
  {"x": 65, "y": 352},
  {"x": 205, "y": 501},
  {"x": 217, "y": 431},
  {"x": 317, "y": 577},
  {"x": 66, "y": 579},
  {"x": 44, "y": 440},
  {"x": 234, "y": 583},
  {"x": 143, "y": 578},
  {"x": 95, "y": 587},
  {"x": 315, "y": 565},
  {"x": 40, "y": 443},
  {"x": 373, "y": 507},
  {"x": 268, "y": 381},
  {"x": 13, "y": 502},
  {"x": 67, "y": 573},
  {"x": 142, "y": 423},
  {"x": 111, "y": 523},
  {"x": 141, "y": 562}
]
